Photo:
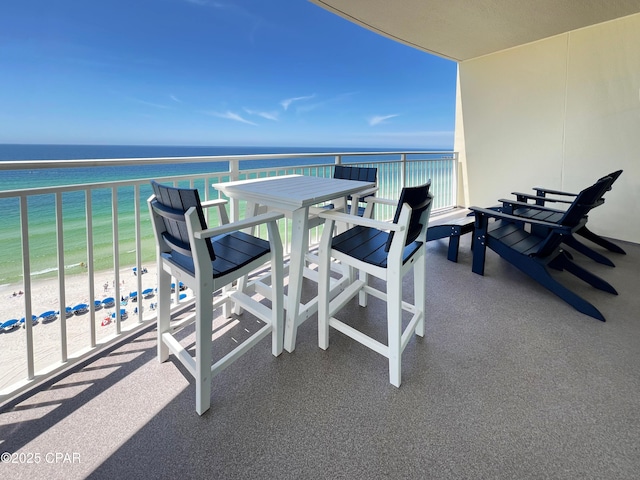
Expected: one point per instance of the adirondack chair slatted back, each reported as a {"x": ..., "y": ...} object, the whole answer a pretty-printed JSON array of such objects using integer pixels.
[
  {"x": 614, "y": 176},
  {"x": 418, "y": 199},
  {"x": 582, "y": 204},
  {"x": 171, "y": 204},
  {"x": 585, "y": 201}
]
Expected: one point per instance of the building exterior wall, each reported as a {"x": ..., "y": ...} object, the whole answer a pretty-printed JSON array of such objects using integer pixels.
[{"x": 559, "y": 113}]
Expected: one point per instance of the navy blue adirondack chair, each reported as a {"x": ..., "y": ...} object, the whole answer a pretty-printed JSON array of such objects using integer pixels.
[
  {"x": 541, "y": 211},
  {"x": 537, "y": 248}
]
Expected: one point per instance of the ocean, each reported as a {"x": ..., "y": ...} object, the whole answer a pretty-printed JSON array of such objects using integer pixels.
[
  {"x": 42, "y": 233},
  {"x": 20, "y": 179}
]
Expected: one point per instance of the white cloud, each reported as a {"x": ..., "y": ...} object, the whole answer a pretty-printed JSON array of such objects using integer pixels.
[
  {"x": 175, "y": 99},
  {"x": 205, "y": 3},
  {"x": 231, "y": 116},
  {"x": 378, "y": 119},
  {"x": 148, "y": 104},
  {"x": 338, "y": 99},
  {"x": 285, "y": 103},
  {"x": 267, "y": 115}
]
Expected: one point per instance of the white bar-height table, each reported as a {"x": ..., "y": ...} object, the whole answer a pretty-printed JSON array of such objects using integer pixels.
[{"x": 293, "y": 195}]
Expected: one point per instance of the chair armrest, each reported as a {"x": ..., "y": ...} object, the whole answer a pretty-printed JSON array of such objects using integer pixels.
[
  {"x": 536, "y": 197},
  {"x": 216, "y": 202},
  {"x": 515, "y": 203},
  {"x": 222, "y": 211},
  {"x": 315, "y": 211},
  {"x": 542, "y": 190},
  {"x": 239, "y": 225},
  {"x": 514, "y": 218},
  {"x": 365, "y": 193},
  {"x": 383, "y": 201},
  {"x": 361, "y": 221}
]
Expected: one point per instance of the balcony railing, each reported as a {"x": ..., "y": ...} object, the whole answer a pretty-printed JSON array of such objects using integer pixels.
[{"x": 55, "y": 236}]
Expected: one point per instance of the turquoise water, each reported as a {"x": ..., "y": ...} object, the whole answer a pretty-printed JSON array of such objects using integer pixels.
[{"x": 41, "y": 208}]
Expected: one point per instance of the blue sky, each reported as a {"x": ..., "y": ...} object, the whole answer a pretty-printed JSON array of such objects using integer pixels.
[{"x": 205, "y": 72}]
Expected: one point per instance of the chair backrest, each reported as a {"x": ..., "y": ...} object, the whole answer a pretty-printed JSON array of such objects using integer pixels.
[
  {"x": 614, "y": 176},
  {"x": 171, "y": 204},
  {"x": 585, "y": 201},
  {"x": 418, "y": 199},
  {"x": 363, "y": 174}
]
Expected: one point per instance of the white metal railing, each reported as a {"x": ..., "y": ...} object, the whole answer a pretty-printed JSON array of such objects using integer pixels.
[{"x": 27, "y": 357}]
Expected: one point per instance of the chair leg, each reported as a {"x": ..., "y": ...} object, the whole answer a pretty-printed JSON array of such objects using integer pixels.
[
  {"x": 589, "y": 252},
  {"x": 586, "y": 276},
  {"x": 479, "y": 253},
  {"x": 324, "y": 269},
  {"x": 363, "y": 297},
  {"x": 394, "y": 327},
  {"x": 419, "y": 292},
  {"x": 204, "y": 332},
  {"x": 597, "y": 239},
  {"x": 539, "y": 273},
  {"x": 164, "y": 311},
  {"x": 454, "y": 246}
]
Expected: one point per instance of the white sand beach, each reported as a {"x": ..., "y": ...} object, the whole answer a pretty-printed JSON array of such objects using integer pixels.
[{"x": 47, "y": 336}]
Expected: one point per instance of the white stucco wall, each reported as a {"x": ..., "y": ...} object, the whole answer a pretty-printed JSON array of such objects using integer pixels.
[{"x": 561, "y": 113}]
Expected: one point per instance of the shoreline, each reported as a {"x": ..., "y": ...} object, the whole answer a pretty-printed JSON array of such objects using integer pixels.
[{"x": 47, "y": 336}]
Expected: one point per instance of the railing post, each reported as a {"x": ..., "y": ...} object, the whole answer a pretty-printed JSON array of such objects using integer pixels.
[
  {"x": 26, "y": 276},
  {"x": 455, "y": 180},
  {"x": 136, "y": 206},
  {"x": 61, "y": 290},
  {"x": 92, "y": 295},
  {"x": 403, "y": 170},
  {"x": 234, "y": 174},
  {"x": 116, "y": 255}
]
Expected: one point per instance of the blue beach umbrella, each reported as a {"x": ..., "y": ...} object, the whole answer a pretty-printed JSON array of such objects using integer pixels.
[
  {"x": 147, "y": 293},
  {"x": 48, "y": 316},
  {"x": 123, "y": 314},
  {"x": 97, "y": 304},
  {"x": 10, "y": 325},
  {"x": 108, "y": 302},
  {"x": 80, "y": 309},
  {"x": 69, "y": 312},
  {"x": 34, "y": 320}
]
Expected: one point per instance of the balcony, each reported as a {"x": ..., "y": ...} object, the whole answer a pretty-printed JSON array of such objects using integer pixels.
[{"x": 509, "y": 382}]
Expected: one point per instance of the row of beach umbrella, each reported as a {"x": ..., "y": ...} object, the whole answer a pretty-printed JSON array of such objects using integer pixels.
[
  {"x": 82, "y": 308},
  {"x": 50, "y": 316}
]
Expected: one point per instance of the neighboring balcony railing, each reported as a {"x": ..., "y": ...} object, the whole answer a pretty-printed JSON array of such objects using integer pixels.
[{"x": 99, "y": 234}]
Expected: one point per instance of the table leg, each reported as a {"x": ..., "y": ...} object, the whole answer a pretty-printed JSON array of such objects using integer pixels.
[{"x": 299, "y": 248}]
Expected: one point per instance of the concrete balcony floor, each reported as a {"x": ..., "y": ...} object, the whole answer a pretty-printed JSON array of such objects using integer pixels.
[{"x": 509, "y": 382}]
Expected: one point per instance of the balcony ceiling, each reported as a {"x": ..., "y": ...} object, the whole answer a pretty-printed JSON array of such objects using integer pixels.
[{"x": 464, "y": 29}]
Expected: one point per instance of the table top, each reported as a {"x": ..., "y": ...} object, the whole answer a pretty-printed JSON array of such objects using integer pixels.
[{"x": 292, "y": 191}]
